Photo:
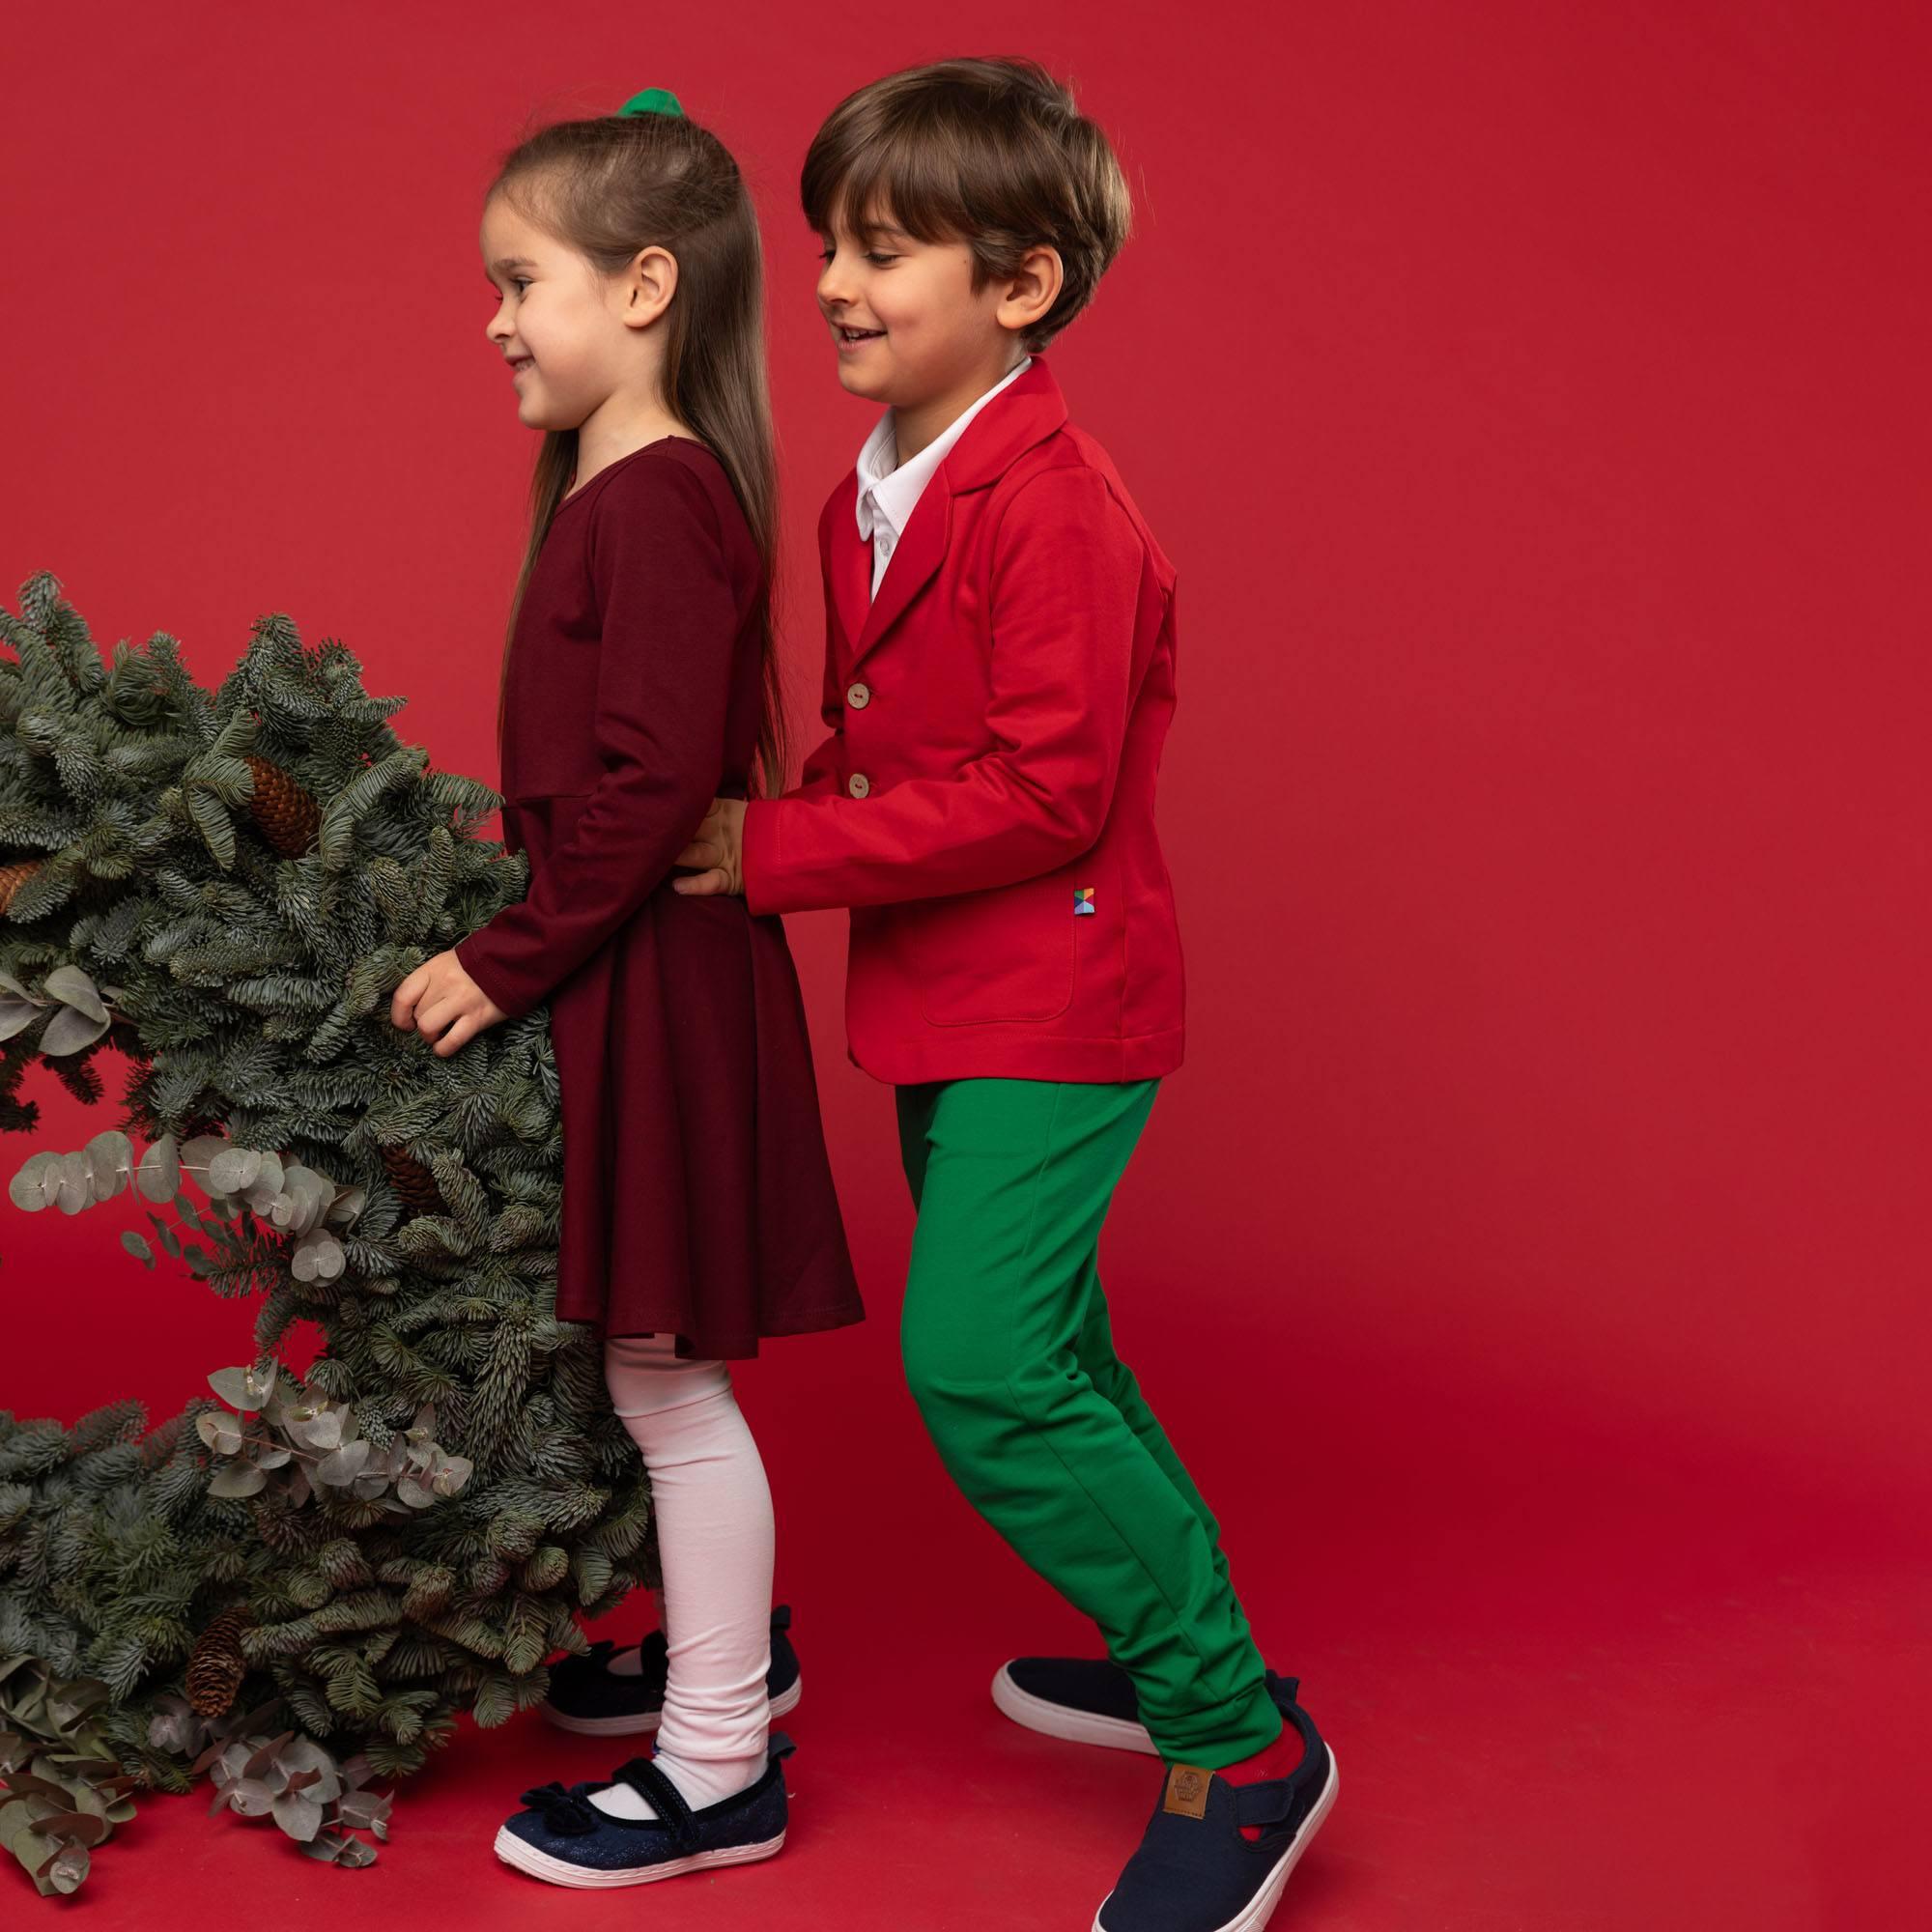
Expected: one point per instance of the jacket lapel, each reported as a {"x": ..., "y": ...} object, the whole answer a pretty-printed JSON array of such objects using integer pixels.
[
  {"x": 848, "y": 565},
  {"x": 918, "y": 553},
  {"x": 1026, "y": 412}
]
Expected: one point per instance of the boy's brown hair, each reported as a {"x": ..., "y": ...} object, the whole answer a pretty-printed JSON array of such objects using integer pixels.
[{"x": 991, "y": 152}]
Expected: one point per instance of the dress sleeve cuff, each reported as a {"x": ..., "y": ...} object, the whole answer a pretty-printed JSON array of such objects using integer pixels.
[{"x": 474, "y": 961}]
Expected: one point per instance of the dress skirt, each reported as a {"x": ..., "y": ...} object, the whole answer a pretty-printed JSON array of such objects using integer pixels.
[{"x": 697, "y": 1196}]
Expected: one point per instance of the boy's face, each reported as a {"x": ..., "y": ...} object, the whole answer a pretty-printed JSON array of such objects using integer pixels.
[
  {"x": 558, "y": 322},
  {"x": 925, "y": 332}
]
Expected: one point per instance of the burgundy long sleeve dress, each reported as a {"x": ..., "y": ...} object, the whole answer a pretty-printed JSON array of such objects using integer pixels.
[{"x": 697, "y": 1198}]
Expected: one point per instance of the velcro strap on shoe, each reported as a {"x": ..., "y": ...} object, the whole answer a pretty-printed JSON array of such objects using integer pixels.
[
  {"x": 663, "y": 1798},
  {"x": 1265, "y": 1801}
]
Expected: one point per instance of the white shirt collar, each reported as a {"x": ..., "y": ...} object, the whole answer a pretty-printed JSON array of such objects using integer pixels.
[{"x": 887, "y": 495}]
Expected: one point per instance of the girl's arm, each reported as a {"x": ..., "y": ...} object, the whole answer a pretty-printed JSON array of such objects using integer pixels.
[
  {"x": 1068, "y": 578},
  {"x": 663, "y": 678}
]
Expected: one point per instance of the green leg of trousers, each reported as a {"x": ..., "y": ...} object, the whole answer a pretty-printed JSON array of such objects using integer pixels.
[{"x": 1009, "y": 1354}]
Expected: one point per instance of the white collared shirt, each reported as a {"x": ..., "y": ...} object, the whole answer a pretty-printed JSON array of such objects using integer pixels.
[{"x": 887, "y": 493}]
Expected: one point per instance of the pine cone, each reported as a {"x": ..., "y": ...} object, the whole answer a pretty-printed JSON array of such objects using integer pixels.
[
  {"x": 216, "y": 1666},
  {"x": 412, "y": 1180},
  {"x": 289, "y": 817},
  {"x": 13, "y": 877}
]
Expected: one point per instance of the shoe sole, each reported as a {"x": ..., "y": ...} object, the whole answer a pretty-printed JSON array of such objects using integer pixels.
[
  {"x": 1064, "y": 1721},
  {"x": 519, "y": 1851},
  {"x": 1258, "y": 1911},
  {"x": 648, "y": 1720}
]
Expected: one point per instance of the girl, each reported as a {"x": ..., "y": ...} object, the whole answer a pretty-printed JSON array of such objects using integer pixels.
[{"x": 639, "y": 678}]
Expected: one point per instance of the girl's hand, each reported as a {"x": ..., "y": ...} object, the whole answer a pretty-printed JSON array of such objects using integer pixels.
[
  {"x": 719, "y": 843},
  {"x": 444, "y": 1003}
]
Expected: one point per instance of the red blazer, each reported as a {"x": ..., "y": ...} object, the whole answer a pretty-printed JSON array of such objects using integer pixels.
[{"x": 984, "y": 802}]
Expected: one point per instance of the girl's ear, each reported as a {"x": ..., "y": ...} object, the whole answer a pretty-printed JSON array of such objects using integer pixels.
[{"x": 653, "y": 281}]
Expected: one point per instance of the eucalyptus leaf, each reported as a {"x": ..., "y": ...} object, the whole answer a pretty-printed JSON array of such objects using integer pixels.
[
  {"x": 70, "y": 1029},
  {"x": 320, "y": 1432},
  {"x": 318, "y": 1257},
  {"x": 245, "y": 1389},
  {"x": 451, "y": 1475},
  {"x": 136, "y": 1244},
  {"x": 77, "y": 989},
  {"x": 17, "y": 1015},
  {"x": 158, "y": 1176},
  {"x": 35, "y": 1180},
  {"x": 111, "y": 1158},
  {"x": 297, "y": 1814},
  {"x": 343, "y": 1465},
  {"x": 77, "y": 1183},
  {"x": 65, "y": 1870},
  {"x": 252, "y": 1797},
  {"x": 197, "y": 1152},
  {"x": 219, "y": 1432},
  {"x": 233, "y": 1169},
  {"x": 347, "y": 1205},
  {"x": 237, "y": 1479}
]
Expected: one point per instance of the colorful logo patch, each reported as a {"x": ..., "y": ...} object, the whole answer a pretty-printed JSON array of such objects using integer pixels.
[{"x": 1083, "y": 900}]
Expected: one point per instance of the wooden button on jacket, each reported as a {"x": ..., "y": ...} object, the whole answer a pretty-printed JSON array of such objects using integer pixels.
[{"x": 984, "y": 802}]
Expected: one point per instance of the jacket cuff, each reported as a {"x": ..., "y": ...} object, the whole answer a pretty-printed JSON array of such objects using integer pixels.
[{"x": 758, "y": 870}]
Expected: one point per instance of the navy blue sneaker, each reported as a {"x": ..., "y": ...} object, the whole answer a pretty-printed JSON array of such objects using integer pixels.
[
  {"x": 1195, "y": 1870},
  {"x": 586, "y": 1694},
  {"x": 561, "y": 1836},
  {"x": 1089, "y": 1699}
]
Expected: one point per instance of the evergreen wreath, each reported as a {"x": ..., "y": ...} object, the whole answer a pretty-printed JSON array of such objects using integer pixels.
[{"x": 295, "y": 1587}]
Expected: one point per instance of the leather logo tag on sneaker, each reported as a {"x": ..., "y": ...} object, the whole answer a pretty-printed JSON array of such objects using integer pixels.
[{"x": 1187, "y": 1791}]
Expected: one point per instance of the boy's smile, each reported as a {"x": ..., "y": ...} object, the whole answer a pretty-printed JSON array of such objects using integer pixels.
[{"x": 910, "y": 330}]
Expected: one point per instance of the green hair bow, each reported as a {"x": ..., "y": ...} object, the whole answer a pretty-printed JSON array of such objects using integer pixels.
[{"x": 652, "y": 101}]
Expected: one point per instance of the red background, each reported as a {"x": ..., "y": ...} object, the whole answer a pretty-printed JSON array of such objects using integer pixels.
[{"x": 1528, "y": 1259}]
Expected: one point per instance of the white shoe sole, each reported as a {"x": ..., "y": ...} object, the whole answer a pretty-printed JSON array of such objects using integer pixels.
[
  {"x": 648, "y": 1720},
  {"x": 1059, "y": 1720},
  {"x": 515, "y": 1851},
  {"x": 1258, "y": 1911}
]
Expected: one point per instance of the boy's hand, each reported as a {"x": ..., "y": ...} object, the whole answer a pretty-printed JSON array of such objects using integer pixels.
[
  {"x": 718, "y": 843},
  {"x": 444, "y": 1003}
]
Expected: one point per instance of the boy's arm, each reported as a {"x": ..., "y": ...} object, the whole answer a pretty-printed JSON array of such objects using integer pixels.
[{"x": 1066, "y": 575}]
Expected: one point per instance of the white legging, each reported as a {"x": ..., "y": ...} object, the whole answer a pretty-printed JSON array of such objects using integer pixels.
[{"x": 714, "y": 1524}]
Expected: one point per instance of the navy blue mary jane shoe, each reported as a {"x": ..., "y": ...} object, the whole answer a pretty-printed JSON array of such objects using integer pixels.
[
  {"x": 561, "y": 1836},
  {"x": 586, "y": 1695}
]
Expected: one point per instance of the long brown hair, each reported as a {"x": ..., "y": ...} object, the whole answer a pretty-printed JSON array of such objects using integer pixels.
[{"x": 609, "y": 187}]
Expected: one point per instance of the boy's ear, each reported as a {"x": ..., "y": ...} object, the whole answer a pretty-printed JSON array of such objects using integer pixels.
[{"x": 1033, "y": 288}]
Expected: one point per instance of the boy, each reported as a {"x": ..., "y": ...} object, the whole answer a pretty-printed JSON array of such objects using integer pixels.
[{"x": 998, "y": 679}]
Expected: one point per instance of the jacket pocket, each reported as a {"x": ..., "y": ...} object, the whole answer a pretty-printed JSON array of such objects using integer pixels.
[{"x": 1007, "y": 954}]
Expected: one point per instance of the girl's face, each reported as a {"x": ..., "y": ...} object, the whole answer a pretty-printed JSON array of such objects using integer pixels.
[
  {"x": 569, "y": 333},
  {"x": 925, "y": 333}
]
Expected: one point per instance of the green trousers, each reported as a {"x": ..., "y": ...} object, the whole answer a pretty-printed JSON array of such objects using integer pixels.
[{"x": 1009, "y": 1356}]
